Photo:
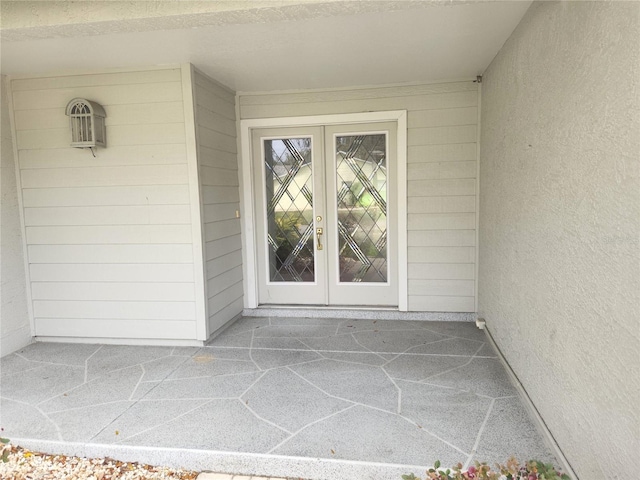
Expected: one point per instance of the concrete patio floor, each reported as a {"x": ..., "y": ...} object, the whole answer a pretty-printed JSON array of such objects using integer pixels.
[{"x": 290, "y": 397}]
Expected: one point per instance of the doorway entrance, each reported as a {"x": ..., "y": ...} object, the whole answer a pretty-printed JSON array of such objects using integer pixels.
[
  {"x": 325, "y": 214},
  {"x": 326, "y": 201}
]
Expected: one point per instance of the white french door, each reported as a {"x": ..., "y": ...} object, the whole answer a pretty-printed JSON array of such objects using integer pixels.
[{"x": 326, "y": 214}]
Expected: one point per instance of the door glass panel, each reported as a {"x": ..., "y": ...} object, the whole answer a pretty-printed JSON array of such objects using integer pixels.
[
  {"x": 361, "y": 163},
  {"x": 289, "y": 203}
]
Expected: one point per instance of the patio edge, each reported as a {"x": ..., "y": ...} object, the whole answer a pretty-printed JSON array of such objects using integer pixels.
[{"x": 227, "y": 462}]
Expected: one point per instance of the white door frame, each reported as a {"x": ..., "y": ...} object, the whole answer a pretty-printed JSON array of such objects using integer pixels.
[{"x": 247, "y": 205}]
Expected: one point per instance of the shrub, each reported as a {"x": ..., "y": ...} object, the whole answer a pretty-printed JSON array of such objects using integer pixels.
[{"x": 512, "y": 470}]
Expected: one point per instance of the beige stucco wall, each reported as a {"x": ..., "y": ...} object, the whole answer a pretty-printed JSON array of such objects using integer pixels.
[
  {"x": 559, "y": 276},
  {"x": 15, "y": 331}
]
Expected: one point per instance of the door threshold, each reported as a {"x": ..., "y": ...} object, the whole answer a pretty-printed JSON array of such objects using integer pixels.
[
  {"x": 331, "y": 307},
  {"x": 357, "y": 312}
]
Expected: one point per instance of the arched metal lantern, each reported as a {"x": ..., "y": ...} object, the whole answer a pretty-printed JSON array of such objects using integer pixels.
[{"x": 87, "y": 123}]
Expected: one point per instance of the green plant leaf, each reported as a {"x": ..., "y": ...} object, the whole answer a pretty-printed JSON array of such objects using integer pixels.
[
  {"x": 4, "y": 440},
  {"x": 437, "y": 464},
  {"x": 410, "y": 476}
]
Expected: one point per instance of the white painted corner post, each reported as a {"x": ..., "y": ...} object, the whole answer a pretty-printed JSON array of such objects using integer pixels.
[
  {"x": 403, "y": 245},
  {"x": 478, "y": 146},
  {"x": 245, "y": 176},
  {"x": 19, "y": 194},
  {"x": 195, "y": 200}
]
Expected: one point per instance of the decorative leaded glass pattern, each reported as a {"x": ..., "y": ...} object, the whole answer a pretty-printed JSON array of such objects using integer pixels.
[
  {"x": 362, "y": 207},
  {"x": 289, "y": 196}
]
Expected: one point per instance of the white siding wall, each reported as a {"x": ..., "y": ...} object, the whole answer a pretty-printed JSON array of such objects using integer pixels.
[
  {"x": 109, "y": 239},
  {"x": 15, "y": 331},
  {"x": 220, "y": 196},
  {"x": 442, "y": 122}
]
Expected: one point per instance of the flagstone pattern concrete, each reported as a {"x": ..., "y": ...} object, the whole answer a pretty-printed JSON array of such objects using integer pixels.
[{"x": 401, "y": 393}]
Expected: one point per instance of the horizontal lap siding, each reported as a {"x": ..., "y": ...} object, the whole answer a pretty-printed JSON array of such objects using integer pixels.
[
  {"x": 120, "y": 291},
  {"x": 218, "y": 174},
  {"x": 441, "y": 168},
  {"x": 109, "y": 238},
  {"x": 152, "y": 275},
  {"x": 118, "y": 327}
]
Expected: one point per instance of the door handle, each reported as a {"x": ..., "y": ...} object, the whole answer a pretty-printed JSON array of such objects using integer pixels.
[{"x": 318, "y": 235}]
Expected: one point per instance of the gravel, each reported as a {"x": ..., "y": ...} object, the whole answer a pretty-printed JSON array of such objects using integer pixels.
[{"x": 26, "y": 465}]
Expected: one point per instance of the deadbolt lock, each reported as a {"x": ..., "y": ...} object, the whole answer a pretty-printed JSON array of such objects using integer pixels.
[{"x": 318, "y": 218}]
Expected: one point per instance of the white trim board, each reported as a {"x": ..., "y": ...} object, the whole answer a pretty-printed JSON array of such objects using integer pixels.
[
  {"x": 19, "y": 194},
  {"x": 249, "y": 260},
  {"x": 191, "y": 135},
  {"x": 161, "y": 342},
  {"x": 477, "y": 252}
]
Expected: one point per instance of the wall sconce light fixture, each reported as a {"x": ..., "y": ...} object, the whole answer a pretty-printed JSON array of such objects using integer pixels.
[{"x": 87, "y": 123}]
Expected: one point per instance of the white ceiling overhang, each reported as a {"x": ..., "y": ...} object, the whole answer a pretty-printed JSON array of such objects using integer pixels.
[{"x": 264, "y": 45}]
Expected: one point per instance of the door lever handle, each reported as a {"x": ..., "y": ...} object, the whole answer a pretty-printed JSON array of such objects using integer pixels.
[{"x": 318, "y": 235}]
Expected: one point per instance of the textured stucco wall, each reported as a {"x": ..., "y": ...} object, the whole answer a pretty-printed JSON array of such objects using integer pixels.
[
  {"x": 560, "y": 224},
  {"x": 15, "y": 331}
]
